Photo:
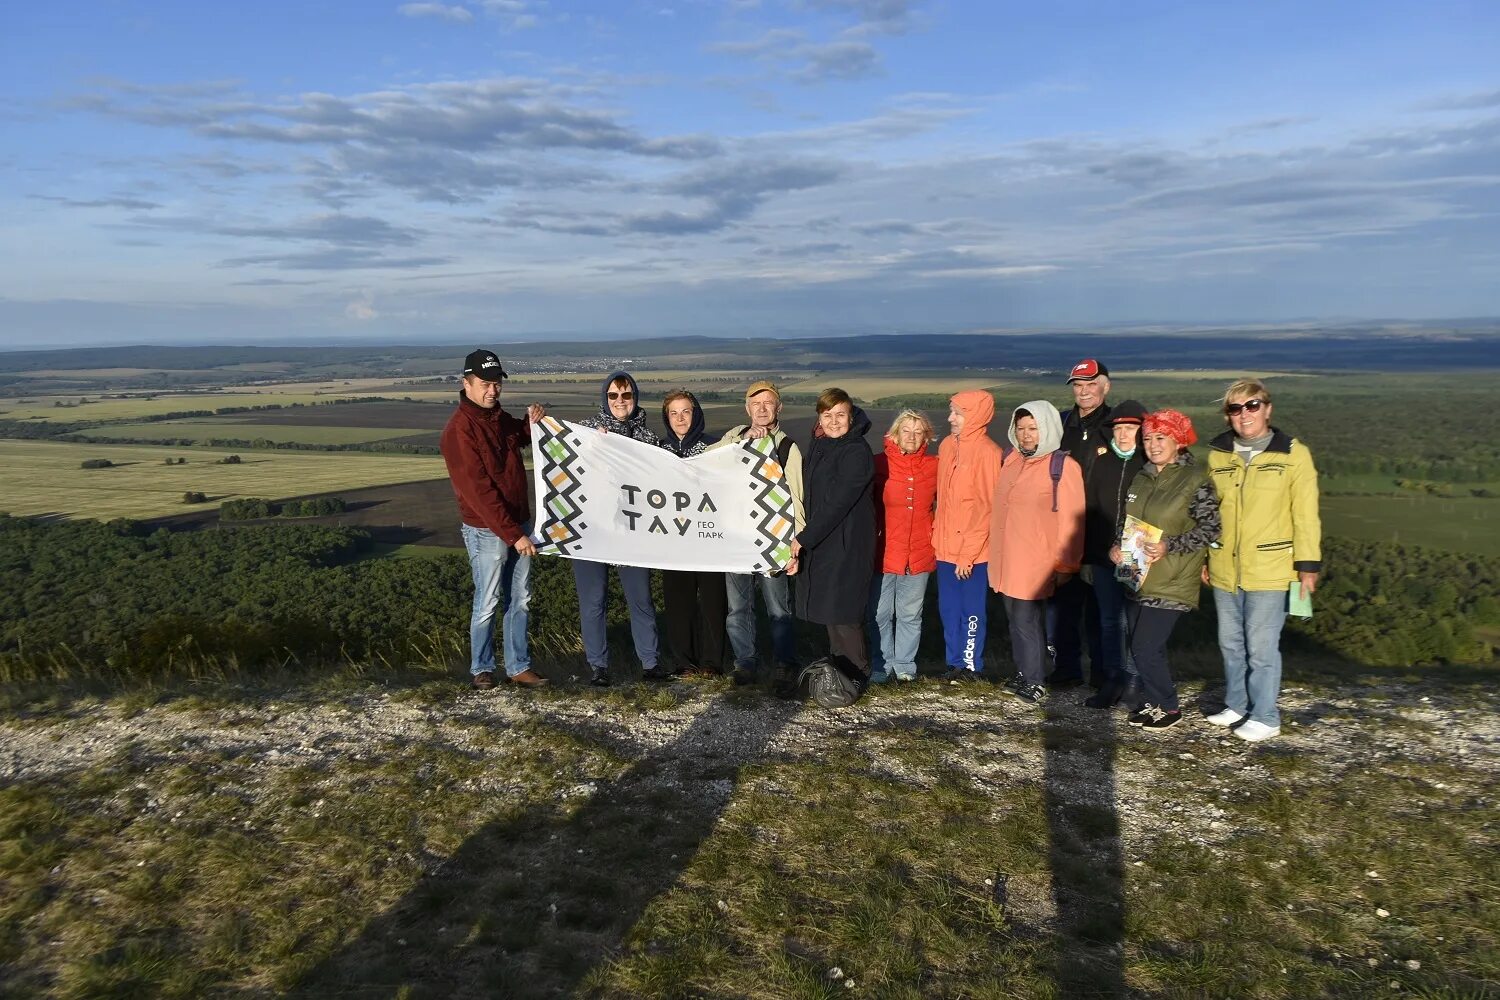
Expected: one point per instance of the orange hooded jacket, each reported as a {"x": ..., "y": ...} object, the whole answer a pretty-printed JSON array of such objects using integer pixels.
[{"x": 968, "y": 465}]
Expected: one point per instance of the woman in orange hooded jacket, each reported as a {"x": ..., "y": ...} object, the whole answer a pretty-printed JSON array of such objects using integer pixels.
[
  {"x": 968, "y": 464},
  {"x": 1036, "y": 536}
]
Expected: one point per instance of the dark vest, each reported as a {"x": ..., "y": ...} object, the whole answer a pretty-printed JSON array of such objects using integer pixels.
[{"x": 1162, "y": 499}]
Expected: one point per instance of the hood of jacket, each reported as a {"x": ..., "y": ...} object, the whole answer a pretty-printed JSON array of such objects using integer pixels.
[
  {"x": 859, "y": 426},
  {"x": 635, "y": 392},
  {"x": 1048, "y": 422},
  {"x": 695, "y": 433},
  {"x": 978, "y": 408}
]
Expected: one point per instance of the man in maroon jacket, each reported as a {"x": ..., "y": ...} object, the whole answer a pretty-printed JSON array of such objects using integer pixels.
[{"x": 484, "y": 447}]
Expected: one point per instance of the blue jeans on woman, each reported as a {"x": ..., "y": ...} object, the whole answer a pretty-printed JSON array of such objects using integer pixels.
[
  {"x": 592, "y": 579},
  {"x": 502, "y": 582},
  {"x": 897, "y": 624},
  {"x": 1114, "y": 651},
  {"x": 1250, "y": 641}
]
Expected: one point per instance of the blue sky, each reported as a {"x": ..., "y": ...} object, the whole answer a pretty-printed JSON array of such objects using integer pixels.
[{"x": 504, "y": 169}]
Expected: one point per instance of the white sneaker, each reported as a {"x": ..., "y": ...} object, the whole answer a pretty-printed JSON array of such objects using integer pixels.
[
  {"x": 1254, "y": 732},
  {"x": 1228, "y": 717}
]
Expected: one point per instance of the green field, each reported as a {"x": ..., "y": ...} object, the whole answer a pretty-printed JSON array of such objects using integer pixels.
[
  {"x": 43, "y": 408},
  {"x": 1459, "y": 524},
  {"x": 44, "y": 478},
  {"x": 209, "y": 428}
]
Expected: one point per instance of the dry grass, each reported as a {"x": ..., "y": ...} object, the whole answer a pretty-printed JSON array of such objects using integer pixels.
[{"x": 700, "y": 841}]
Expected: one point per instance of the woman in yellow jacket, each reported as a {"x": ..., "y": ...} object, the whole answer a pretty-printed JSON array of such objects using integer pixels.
[{"x": 1271, "y": 542}]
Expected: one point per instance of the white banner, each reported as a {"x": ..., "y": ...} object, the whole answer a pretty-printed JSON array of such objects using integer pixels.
[{"x": 611, "y": 499}]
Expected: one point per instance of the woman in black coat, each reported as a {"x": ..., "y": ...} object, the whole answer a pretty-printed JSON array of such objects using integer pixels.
[{"x": 835, "y": 552}]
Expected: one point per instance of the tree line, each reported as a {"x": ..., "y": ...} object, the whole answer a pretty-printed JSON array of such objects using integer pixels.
[{"x": 124, "y": 601}]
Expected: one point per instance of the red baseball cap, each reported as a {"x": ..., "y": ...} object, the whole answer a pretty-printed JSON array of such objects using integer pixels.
[{"x": 1086, "y": 371}]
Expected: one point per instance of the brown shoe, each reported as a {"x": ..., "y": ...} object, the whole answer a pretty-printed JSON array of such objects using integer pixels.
[
  {"x": 529, "y": 679},
  {"x": 483, "y": 681}
]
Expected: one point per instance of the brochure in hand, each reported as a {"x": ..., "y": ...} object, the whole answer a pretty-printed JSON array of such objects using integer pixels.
[
  {"x": 1298, "y": 601},
  {"x": 1133, "y": 564}
]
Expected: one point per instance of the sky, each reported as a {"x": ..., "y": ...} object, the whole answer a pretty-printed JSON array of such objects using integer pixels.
[{"x": 489, "y": 170}]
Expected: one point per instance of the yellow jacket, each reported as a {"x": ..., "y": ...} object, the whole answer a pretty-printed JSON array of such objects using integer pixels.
[{"x": 1270, "y": 515}]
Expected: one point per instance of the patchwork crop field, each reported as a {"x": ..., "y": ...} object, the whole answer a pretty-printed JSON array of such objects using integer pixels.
[
  {"x": 211, "y": 428},
  {"x": 45, "y": 478}
]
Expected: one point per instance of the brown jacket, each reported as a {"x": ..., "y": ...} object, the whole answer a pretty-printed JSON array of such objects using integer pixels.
[{"x": 485, "y": 451}]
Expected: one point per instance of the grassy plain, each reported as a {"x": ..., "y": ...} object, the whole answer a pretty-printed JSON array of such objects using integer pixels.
[
  {"x": 44, "y": 478},
  {"x": 1459, "y": 524},
  {"x": 208, "y": 428}
]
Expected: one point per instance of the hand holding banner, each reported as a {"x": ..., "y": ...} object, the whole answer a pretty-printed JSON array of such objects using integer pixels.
[{"x": 611, "y": 499}]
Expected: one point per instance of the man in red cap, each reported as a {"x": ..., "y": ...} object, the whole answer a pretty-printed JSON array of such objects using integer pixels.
[{"x": 1086, "y": 436}]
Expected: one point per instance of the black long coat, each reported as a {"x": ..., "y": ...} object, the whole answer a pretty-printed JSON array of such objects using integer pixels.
[{"x": 838, "y": 536}]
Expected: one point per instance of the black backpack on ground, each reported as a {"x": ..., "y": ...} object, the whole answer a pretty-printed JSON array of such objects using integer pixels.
[{"x": 832, "y": 682}]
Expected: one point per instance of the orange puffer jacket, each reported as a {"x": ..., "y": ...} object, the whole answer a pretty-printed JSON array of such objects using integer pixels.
[
  {"x": 968, "y": 465},
  {"x": 907, "y": 488}
]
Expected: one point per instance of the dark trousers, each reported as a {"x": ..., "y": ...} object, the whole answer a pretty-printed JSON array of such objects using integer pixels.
[
  {"x": 848, "y": 641},
  {"x": 1072, "y": 616},
  {"x": 1150, "y": 628},
  {"x": 693, "y": 619},
  {"x": 1028, "y": 637}
]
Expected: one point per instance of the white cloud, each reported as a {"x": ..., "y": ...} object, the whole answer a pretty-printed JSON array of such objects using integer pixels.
[{"x": 440, "y": 11}]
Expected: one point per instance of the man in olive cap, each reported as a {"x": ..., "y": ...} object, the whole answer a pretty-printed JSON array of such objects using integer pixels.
[{"x": 763, "y": 406}]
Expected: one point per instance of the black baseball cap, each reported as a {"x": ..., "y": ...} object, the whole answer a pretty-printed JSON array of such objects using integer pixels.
[{"x": 485, "y": 365}]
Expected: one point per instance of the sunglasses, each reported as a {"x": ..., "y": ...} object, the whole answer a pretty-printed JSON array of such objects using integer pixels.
[
  {"x": 627, "y": 396},
  {"x": 1249, "y": 405}
]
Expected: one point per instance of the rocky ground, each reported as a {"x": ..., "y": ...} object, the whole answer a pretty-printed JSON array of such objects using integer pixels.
[{"x": 696, "y": 750}]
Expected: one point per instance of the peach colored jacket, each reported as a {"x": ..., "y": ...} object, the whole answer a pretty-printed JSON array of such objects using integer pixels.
[
  {"x": 968, "y": 463},
  {"x": 1028, "y": 542}
]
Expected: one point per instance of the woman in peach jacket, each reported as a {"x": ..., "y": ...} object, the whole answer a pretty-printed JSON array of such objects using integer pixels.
[
  {"x": 968, "y": 462},
  {"x": 1036, "y": 536}
]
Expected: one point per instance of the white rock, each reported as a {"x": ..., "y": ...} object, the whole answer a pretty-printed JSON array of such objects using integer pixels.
[{"x": 1382, "y": 913}]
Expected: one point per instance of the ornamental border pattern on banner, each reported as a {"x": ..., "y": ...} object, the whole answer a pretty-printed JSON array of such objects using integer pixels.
[
  {"x": 563, "y": 526},
  {"x": 774, "y": 503}
]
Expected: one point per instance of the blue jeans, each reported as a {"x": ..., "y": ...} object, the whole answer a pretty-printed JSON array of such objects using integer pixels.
[
  {"x": 1250, "y": 641},
  {"x": 592, "y": 580},
  {"x": 897, "y": 600},
  {"x": 739, "y": 589},
  {"x": 502, "y": 581},
  {"x": 1109, "y": 596},
  {"x": 961, "y": 606}
]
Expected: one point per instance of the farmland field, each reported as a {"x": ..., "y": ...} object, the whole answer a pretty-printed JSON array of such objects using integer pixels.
[
  {"x": 42, "y": 408},
  {"x": 209, "y": 428},
  {"x": 44, "y": 478},
  {"x": 1460, "y": 524}
]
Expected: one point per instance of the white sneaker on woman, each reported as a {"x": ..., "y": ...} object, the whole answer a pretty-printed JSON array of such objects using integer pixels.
[
  {"x": 1254, "y": 732},
  {"x": 1228, "y": 717}
]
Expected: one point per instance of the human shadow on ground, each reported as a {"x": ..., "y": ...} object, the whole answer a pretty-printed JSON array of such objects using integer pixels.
[
  {"x": 531, "y": 903},
  {"x": 1085, "y": 851}
]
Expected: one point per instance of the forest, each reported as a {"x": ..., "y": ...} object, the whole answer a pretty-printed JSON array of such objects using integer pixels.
[{"x": 123, "y": 601}]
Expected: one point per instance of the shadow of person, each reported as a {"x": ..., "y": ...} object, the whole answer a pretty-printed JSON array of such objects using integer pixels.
[
  {"x": 1085, "y": 850},
  {"x": 530, "y": 904}
]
